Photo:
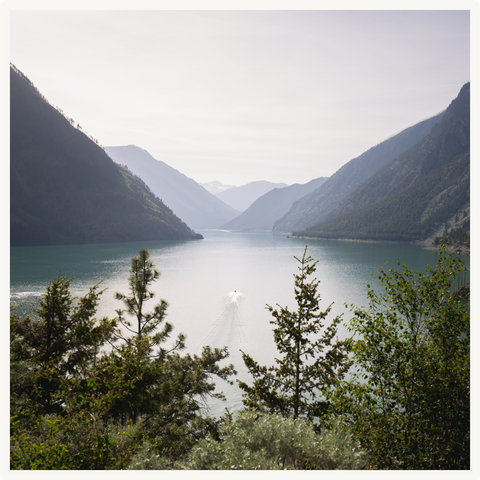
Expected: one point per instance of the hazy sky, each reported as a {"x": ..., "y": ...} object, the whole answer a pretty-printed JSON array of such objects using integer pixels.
[{"x": 244, "y": 95}]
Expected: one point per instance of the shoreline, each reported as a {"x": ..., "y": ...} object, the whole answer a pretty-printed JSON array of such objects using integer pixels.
[{"x": 426, "y": 244}]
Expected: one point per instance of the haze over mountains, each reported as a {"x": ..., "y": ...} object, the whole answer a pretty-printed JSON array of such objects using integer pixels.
[
  {"x": 410, "y": 187},
  {"x": 66, "y": 189},
  {"x": 263, "y": 213},
  {"x": 242, "y": 197},
  {"x": 316, "y": 207},
  {"x": 216, "y": 187},
  {"x": 416, "y": 195},
  {"x": 197, "y": 207}
]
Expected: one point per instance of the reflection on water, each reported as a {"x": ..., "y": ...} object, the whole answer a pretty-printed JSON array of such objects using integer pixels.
[{"x": 227, "y": 329}]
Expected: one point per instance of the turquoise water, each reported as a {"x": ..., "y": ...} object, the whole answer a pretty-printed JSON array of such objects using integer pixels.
[{"x": 217, "y": 288}]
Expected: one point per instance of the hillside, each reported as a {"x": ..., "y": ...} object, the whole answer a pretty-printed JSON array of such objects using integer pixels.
[
  {"x": 315, "y": 207},
  {"x": 64, "y": 189},
  {"x": 417, "y": 193},
  {"x": 242, "y": 197},
  {"x": 188, "y": 199},
  {"x": 267, "y": 209}
]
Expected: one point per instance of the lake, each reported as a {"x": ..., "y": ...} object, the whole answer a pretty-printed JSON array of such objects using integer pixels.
[{"x": 217, "y": 288}]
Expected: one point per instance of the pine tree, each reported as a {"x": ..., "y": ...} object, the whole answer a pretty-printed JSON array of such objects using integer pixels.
[
  {"x": 143, "y": 274},
  {"x": 72, "y": 408},
  {"x": 310, "y": 361},
  {"x": 62, "y": 342},
  {"x": 170, "y": 390}
]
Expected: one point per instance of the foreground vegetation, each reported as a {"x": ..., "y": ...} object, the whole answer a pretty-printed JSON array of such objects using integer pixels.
[{"x": 119, "y": 393}]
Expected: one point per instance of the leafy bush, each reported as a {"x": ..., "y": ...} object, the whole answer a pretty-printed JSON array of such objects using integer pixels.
[
  {"x": 80, "y": 441},
  {"x": 409, "y": 400},
  {"x": 148, "y": 458},
  {"x": 256, "y": 441}
]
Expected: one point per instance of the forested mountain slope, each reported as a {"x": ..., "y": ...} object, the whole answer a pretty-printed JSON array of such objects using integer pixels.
[
  {"x": 267, "y": 209},
  {"x": 65, "y": 189},
  {"x": 315, "y": 207},
  {"x": 418, "y": 192},
  {"x": 189, "y": 200}
]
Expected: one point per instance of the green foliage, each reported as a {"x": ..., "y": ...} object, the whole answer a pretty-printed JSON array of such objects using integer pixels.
[
  {"x": 142, "y": 275},
  {"x": 148, "y": 458},
  {"x": 256, "y": 441},
  {"x": 82, "y": 435},
  {"x": 181, "y": 389},
  {"x": 74, "y": 442},
  {"x": 170, "y": 389},
  {"x": 72, "y": 408},
  {"x": 408, "y": 400},
  {"x": 310, "y": 362},
  {"x": 406, "y": 404},
  {"x": 63, "y": 341}
]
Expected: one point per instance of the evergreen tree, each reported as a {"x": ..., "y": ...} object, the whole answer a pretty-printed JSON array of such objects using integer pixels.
[
  {"x": 169, "y": 389},
  {"x": 311, "y": 361},
  {"x": 62, "y": 342},
  {"x": 142, "y": 275},
  {"x": 71, "y": 408}
]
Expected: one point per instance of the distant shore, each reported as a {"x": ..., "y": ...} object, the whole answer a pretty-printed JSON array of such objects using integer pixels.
[
  {"x": 427, "y": 244},
  {"x": 450, "y": 248}
]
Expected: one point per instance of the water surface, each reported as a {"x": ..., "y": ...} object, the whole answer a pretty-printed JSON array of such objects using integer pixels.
[{"x": 217, "y": 288}]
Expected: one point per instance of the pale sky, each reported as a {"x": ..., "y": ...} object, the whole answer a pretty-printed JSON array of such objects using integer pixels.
[{"x": 245, "y": 95}]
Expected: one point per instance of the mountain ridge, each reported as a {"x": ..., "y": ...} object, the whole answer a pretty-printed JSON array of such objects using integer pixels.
[
  {"x": 242, "y": 197},
  {"x": 314, "y": 207},
  {"x": 189, "y": 200},
  {"x": 215, "y": 187},
  {"x": 64, "y": 189},
  {"x": 271, "y": 206},
  {"x": 419, "y": 191}
]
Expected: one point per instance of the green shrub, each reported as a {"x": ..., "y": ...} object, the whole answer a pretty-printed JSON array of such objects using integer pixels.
[
  {"x": 148, "y": 458},
  {"x": 256, "y": 441},
  {"x": 79, "y": 442},
  {"x": 408, "y": 400}
]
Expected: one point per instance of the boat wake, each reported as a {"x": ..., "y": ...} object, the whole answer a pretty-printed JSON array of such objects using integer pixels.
[{"x": 228, "y": 328}]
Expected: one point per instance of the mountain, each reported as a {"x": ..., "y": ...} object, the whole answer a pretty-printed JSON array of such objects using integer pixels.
[
  {"x": 242, "y": 197},
  {"x": 216, "y": 187},
  {"x": 418, "y": 193},
  {"x": 316, "y": 206},
  {"x": 188, "y": 199},
  {"x": 264, "y": 211},
  {"x": 64, "y": 189}
]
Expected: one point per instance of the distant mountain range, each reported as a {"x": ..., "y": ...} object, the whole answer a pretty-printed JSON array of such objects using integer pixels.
[
  {"x": 417, "y": 194},
  {"x": 216, "y": 187},
  {"x": 242, "y": 197},
  {"x": 189, "y": 200},
  {"x": 64, "y": 189},
  {"x": 316, "y": 207},
  {"x": 264, "y": 211}
]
